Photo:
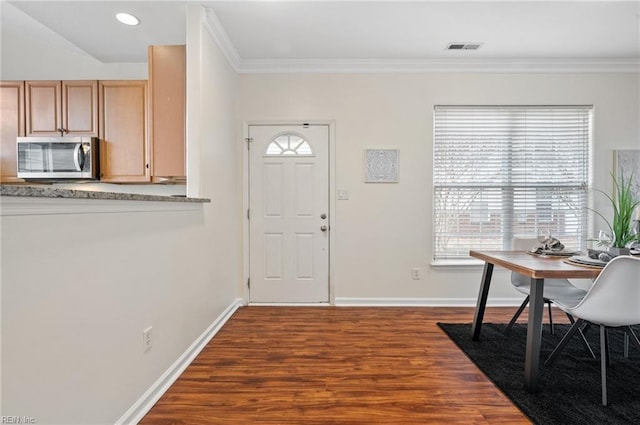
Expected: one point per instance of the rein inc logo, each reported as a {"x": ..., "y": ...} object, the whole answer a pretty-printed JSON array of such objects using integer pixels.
[{"x": 17, "y": 420}]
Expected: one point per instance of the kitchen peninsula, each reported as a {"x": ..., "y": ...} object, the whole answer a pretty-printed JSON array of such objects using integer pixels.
[{"x": 53, "y": 192}]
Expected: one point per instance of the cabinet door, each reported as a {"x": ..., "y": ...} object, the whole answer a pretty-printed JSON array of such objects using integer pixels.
[
  {"x": 122, "y": 122},
  {"x": 43, "y": 112},
  {"x": 167, "y": 98},
  {"x": 11, "y": 126},
  {"x": 80, "y": 108},
  {"x": 70, "y": 106}
]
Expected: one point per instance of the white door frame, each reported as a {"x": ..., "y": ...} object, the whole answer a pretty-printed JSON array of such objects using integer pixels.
[{"x": 332, "y": 205}]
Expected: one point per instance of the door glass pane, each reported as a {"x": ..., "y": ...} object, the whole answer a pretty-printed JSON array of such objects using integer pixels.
[{"x": 289, "y": 144}]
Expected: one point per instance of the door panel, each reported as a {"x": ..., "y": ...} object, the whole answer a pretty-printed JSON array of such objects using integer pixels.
[
  {"x": 273, "y": 182},
  {"x": 304, "y": 259},
  {"x": 43, "y": 108},
  {"x": 304, "y": 190},
  {"x": 273, "y": 256},
  {"x": 80, "y": 108},
  {"x": 124, "y": 150},
  {"x": 289, "y": 203}
]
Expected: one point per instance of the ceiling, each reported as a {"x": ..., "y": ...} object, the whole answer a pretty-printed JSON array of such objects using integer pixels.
[{"x": 256, "y": 33}]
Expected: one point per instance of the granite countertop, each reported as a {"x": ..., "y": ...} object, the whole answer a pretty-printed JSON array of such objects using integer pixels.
[{"x": 52, "y": 192}]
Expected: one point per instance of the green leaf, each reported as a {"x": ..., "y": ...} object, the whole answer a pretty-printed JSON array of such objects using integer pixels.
[{"x": 624, "y": 205}]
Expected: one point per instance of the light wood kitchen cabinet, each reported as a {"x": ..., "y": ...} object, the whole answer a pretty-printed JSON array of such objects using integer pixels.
[
  {"x": 124, "y": 147},
  {"x": 167, "y": 99},
  {"x": 11, "y": 126},
  {"x": 61, "y": 108}
]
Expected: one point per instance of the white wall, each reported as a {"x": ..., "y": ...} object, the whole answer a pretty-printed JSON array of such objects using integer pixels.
[
  {"x": 31, "y": 51},
  {"x": 384, "y": 230},
  {"x": 71, "y": 345},
  {"x": 219, "y": 152},
  {"x": 78, "y": 289}
]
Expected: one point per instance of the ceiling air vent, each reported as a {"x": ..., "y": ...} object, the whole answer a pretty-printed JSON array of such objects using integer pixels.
[{"x": 464, "y": 46}]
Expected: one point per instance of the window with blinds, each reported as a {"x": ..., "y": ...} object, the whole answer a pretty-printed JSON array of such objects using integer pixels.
[{"x": 501, "y": 172}]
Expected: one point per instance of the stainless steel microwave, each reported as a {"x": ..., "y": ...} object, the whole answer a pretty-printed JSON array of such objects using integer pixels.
[{"x": 54, "y": 158}]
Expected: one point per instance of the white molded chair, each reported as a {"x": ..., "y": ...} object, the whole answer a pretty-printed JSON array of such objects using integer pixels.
[
  {"x": 613, "y": 301},
  {"x": 553, "y": 288}
]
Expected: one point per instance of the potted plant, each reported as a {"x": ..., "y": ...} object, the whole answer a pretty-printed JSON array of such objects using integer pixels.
[{"x": 624, "y": 205}]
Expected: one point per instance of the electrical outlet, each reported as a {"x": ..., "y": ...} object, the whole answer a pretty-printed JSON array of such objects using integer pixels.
[
  {"x": 415, "y": 273},
  {"x": 147, "y": 339}
]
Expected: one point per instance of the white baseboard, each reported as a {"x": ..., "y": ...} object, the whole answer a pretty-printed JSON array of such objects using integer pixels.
[
  {"x": 153, "y": 394},
  {"x": 425, "y": 302},
  {"x": 289, "y": 304}
]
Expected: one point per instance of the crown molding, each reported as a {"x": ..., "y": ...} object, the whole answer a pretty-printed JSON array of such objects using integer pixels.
[
  {"x": 216, "y": 30},
  {"x": 291, "y": 66},
  {"x": 261, "y": 66}
]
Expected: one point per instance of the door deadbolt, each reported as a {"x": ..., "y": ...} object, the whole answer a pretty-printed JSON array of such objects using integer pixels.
[{"x": 323, "y": 216}]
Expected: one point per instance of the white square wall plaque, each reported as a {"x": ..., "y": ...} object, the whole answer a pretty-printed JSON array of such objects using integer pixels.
[{"x": 381, "y": 165}]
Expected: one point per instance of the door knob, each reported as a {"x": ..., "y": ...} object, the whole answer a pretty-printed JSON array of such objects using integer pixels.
[{"x": 323, "y": 228}]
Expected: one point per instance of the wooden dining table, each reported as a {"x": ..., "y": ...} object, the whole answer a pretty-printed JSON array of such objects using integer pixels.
[{"x": 537, "y": 268}]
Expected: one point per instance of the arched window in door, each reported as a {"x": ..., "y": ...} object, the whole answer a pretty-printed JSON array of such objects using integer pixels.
[{"x": 289, "y": 144}]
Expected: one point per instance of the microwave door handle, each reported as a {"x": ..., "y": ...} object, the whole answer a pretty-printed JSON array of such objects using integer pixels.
[{"x": 79, "y": 157}]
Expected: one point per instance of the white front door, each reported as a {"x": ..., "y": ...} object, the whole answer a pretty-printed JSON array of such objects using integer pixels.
[{"x": 289, "y": 213}]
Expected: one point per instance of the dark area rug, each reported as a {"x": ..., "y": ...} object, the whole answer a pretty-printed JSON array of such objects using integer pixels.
[{"x": 569, "y": 389}]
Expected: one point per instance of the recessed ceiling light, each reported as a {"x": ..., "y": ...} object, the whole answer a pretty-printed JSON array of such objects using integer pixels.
[{"x": 127, "y": 18}]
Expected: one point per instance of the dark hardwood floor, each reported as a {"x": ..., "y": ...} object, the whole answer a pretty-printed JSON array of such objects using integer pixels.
[{"x": 337, "y": 365}]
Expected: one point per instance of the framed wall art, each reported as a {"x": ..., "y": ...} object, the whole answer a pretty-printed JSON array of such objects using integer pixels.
[{"x": 381, "y": 165}]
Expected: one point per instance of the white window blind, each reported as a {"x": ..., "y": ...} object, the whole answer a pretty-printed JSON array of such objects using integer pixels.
[{"x": 508, "y": 171}]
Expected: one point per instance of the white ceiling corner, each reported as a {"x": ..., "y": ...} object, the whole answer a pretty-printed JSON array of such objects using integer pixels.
[
  {"x": 220, "y": 36},
  {"x": 288, "y": 36},
  {"x": 411, "y": 36},
  {"x": 20, "y": 24}
]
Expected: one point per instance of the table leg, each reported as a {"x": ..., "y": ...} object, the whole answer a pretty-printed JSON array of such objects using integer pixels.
[
  {"x": 534, "y": 335},
  {"x": 482, "y": 301}
]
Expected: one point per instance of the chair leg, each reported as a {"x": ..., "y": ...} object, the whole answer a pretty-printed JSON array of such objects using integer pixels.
[
  {"x": 606, "y": 345},
  {"x": 626, "y": 345},
  {"x": 518, "y": 313},
  {"x": 563, "y": 342},
  {"x": 633, "y": 337},
  {"x": 553, "y": 332},
  {"x": 604, "y": 358},
  {"x": 583, "y": 339},
  {"x": 630, "y": 335}
]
